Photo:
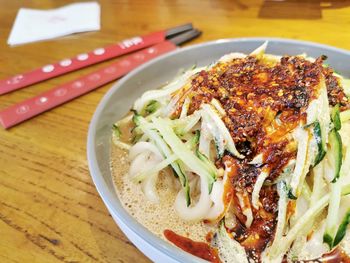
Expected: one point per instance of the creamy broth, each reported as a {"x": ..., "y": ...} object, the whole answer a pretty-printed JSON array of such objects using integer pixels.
[
  {"x": 155, "y": 217},
  {"x": 158, "y": 217}
]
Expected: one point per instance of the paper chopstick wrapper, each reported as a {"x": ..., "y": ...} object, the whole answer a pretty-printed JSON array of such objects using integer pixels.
[{"x": 35, "y": 25}]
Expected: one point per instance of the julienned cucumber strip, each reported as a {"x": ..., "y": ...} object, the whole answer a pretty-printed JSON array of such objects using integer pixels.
[
  {"x": 180, "y": 149},
  {"x": 136, "y": 118},
  {"x": 335, "y": 152},
  {"x": 185, "y": 183},
  {"x": 282, "y": 190},
  {"x": 164, "y": 148},
  {"x": 116, "y": 131},
  {"x": 194, "y": 140},
  {"x": 335, "y": 157},
  {"x": 290, "y": 194},
  {"x": 336, "y": 117},
  {"x": 222, "y": 129},
  {"x": 342, "y": 229},
  {"x": 155, "y": 169},
  {"x": 346, "y": 85},
  {"x": 151, "y": 107},
  {"x": 219, "y": 150},
  {"x": 332, "y": 215},
  {"x": 321, "y": 144},
  {"x": 184, "y": 125},
  {"x": 345, "y": 116},
  {"x": 309, "y": 215},
  {"x": 208, "y": 164}
]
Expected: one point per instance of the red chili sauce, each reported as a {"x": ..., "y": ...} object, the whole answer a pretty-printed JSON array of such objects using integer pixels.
[
  {"x": 336, "y": 256},
  {"x": 199, "y": 249}
]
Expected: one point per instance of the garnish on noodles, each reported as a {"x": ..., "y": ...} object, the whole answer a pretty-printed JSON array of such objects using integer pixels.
[{"x": 255, "y": 146}]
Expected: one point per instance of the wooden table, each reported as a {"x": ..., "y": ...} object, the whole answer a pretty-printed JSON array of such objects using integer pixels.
[{"x": 49, "y": 208}]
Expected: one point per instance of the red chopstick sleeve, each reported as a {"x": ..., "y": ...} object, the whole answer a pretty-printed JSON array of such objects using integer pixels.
[
  {"x": 80, "y": 61},
  {"x": 31, "y": 107}
]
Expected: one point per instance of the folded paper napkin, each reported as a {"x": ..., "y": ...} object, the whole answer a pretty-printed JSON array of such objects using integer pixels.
[{"x": 34, "y": 25}]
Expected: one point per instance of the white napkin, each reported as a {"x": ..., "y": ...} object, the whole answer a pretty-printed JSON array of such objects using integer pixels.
[{"x": 34, "y": 25}]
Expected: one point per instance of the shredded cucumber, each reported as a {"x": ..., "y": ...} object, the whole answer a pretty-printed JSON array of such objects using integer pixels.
[
  {"x": 306, "y": 192},
  {"x": 185, "y": 107},
  {"x": 193, "y": 142},
  {"x": 164, "y": 93},
  {"x": 302, "y": 137},
  {"x": 342, "y": 229},
  {"x": 150, "y": 108},
  {"x": 334, "y": 158},
  {"x": 185, "y": 155},
  {"x": 260, "y": 51},
  {"x": 218, "y": 107},
  {"x": 345, "y": 116},
  {"x": 318, "y": 116},
  {"x": 257, "y": 187},
  {"x": 332, "y": 216},
  {"x": 282, "y": 213},
  {"x": 165, "y": 150},
  {"x": 229, "y": 250},
  {"x": 346, "y": 85},
  {"x": 318, "y": 184},
  {"x": 336, "y": 117},
  {"x": 184, "y": 125},
  {"x": 211, "y": 132},
  {"x": 116, "y": 138},
  {"x": 321, "y": 144},
  {"x": 258, "y": 159},
  {"x": 335, "y": 154},
  {"x": 285, "y": 242},
  {"x": 136, "y": 118},
  {"x": 155, "y": 169},
  {"x": 223, "y": 131},
  {"x": 209, "y": 165},
  {"x": 116, "y": 131},
  {"x": 121, "y": 145},
  {"x": 206, "y": 138}
]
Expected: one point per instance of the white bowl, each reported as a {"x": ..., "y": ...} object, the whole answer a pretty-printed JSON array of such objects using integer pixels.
[{"x": 121, "y": 96}]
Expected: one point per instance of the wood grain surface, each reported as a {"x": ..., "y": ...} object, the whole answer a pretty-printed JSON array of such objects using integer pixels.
[{"x": 49, "y": 208}]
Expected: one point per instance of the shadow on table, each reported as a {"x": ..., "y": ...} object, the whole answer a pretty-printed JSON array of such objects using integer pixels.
[{"x": 298, "y": 9}]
